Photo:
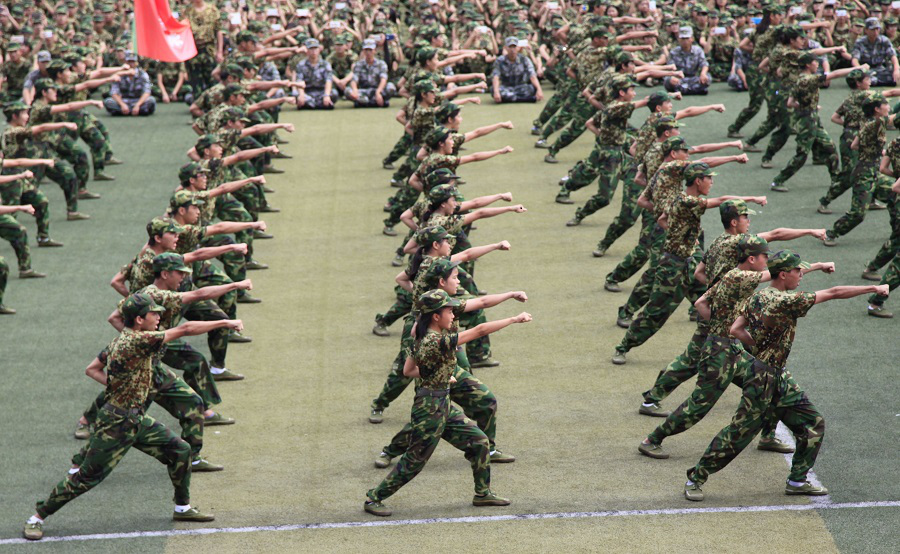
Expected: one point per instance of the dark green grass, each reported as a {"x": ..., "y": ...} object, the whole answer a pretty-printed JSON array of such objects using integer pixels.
[{"x": 567, "y": 412}]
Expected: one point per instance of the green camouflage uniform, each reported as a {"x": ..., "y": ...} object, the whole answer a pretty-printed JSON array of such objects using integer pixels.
[
  {"x": 587, "y": 67},
  {"x": 872, "y": 138},
  {"x": 721, "y": 359},
  {"x": 770, "y": 393},
  {"x": 18, "y": 142},
  {"x": 852, "y": 114},
  {"x": 122, "y": 424},
  {"x": 63, "y": 142},
  {"x": 205, "y": 26},
  {"x": 777, "y": 114},
  {"x": 889, "y": 253},
  {"x": 14, "y": 232}
]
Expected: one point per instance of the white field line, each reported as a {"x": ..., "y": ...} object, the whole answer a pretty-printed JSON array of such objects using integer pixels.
[{"x": 470, "y": 519}]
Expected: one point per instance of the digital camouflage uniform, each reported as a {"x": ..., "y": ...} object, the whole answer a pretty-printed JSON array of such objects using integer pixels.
[
  {"x": 130, "y": 88},
  {"x": 433, "y": 418},
  {"x": 515, "y": 84},
  {"x": 367, "y": 78},
  {"x": 878, "y": 55},
  {"x": 770, "y": 393},
  {"x": 691, "y": 64},
  {"x": 122, "y": 424},
  {"x": 315, "y": 77}
]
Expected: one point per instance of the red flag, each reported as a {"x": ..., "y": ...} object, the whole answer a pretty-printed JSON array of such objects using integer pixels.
[{"x": 159, "y": 35}]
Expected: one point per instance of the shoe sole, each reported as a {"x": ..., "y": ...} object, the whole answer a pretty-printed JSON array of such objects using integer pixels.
[
  {"x": 207, "y": 470},
  {"x": 778, "y": 450},
  {"x": 221, "y": 379},
  {"x": 378, "y": 514},
  {"x": 198, "y": 520},
  {"x": 503, "y": 461},
  {"x": 693, "y": 499},
  {"x": 216, "y": 423},
  {"x": 654, "y": 455},
  {"x": 623, "y": 325},
  {"x": 478, "y": 365},
  {"x": 797, "y": 493},
  {"x": 653, "y": 414},
  {"x": 382, "y": 465},
  {"x": 881, "y": 316},
  {"x": 611, "y": 288},
  {"x": 490, "y": 503}
]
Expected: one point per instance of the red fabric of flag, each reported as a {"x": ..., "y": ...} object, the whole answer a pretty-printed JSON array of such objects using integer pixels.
[{"x": 159, "y": 35}]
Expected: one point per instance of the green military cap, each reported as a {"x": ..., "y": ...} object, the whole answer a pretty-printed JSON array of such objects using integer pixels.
[
  {"x": 97, "y": 18},
  {"x": 43, "y": 84},
  {"x": 441, "y": 193},
  {"x": 733, "y": 209},
  {"x": 13, "y": 46},
  {"x": 106, "y": 8},
  {"x": 785, "y": 260},
  {"x": 436, "y": 136},
  {"x": 423, "y": 86},
  {"x": 61, "y": 10},
  {"x": 666, "y": 123},
  {"x": 657, "y": 99},
  {"x": 442, "y": 176},
  {"x": 11, "y": 108},
  {"x": 426, "y": 54},
  {"x": 183, "y": 198},
  {"x": 244, "y": 36},
  {"x": 874, "y": 101},
  {"x": 697, "y": 170},
  {"x": 891, "y": 22},
  {"x": 139, "y": 304},
  {"x": 189, "y": 171},
  {"x": 854, "y": 77},
  {"x": 341, "y": 40},
  {"x": 700, "y": 9},
  {"x": 427, "y": 235},
  {"x": 256, "y": 26},
  {"x": 233, "y": 90},
  {"x": 675, "y": 143},
  {"x": 232, "y": 114},
  {"x": 246, "y": 62},
  {"x": 170, "y": 261},
  {"x": 773, "y": 7},
  {"x": 160, "y": 225},
  {"x": 623, "y": 58},
  {"x": 59, "y": 64},
  {"x": 807, "y": 58},
  {"x": 599, "y": 32},
  {"x": 440, "y": 269},
  {"x": 752, "y": 245},
  {"x": 78, "y": 37},
  {"x": 431, "y": 33},
  {"x": 17, "y": 10},
  {"x": 435, "y": 300},
  {"x": 231, "y": 69},
  {"x": 446, "y": 111},
  {"x": 205, "y": 142},
  {"x": 858, "y": 23}
]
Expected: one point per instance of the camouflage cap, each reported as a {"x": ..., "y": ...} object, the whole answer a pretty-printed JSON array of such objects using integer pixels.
[
  {"x": 752, "y": 245},
  {"x": 170, "y": 261},
  {"x": 183, "y": 198},
  {"x": 733, "y": 209},
  {"x": 657, "y": 99},
  {"x": 807, "y": 58},
  {"x": 139, "y": 304},
  {"x": 233, "y": 90},
  {"x": 785, "y": 260},
  {"x": 697, "y": 170},
  {"x": 44, "y": 84},
  {"x": 44, "y": 56},
  {"x": 423, "y": 86},
  {"x": 447, "y": 111},
  {"x": 666, "y": 123},
  {"x": 435, "y": 300},
  {"x": 442, "y": 176},
  {"x": 160, "y": 225},
  {"x": 230, "y": 69},
  {"x": 15, "y": 107},
  {"x": 854, "y": 77},
  {"x": 674, "y": 143},
  {"x": 205, "y": 142},
  {"x": 441, "y": 193},
  {"x": 440, "y": 269},
  {"x": 244, "y": 36},
  {"x": 427, "y": 235},
  {"x": 232, "y": 114},
  {"x": 436, "y": 136},
  {"x": 189, "y": 171},
  {"x": 312, "y": 43},
  {"x": 599, "y": 32},
  {"x": 426, "y": 54}
]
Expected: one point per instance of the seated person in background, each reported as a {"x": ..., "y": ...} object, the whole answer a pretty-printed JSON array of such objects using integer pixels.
[
  {"x": 131, "y": 94},
  {"x": 369, "y": 86},
  {"x": 317, "y": 74},
  {"x": 877, "y": 51},
  {"x": 514, "y": 78},
  {"x": 690, "y": 60}
]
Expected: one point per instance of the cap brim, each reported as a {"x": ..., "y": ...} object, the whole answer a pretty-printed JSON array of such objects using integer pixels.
[
  {"x": 156, "y": 308},
  {"x": 452, "y": 303},
  {"x": 750, "y": 212}
]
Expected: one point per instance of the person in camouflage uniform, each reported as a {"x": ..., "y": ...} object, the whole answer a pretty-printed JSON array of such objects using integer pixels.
[
  {"x": 169, "y": 82},
  {"x": 17, "y": 186},
  {"x": 766, "y": 324},
  {"x": 889, "y": 253},
  {"x": 317, "y": 74},
  {"x": 14, "y": 71},
  {"x": 513, "y": 77},
  {"x": 671, "y": 282},
  {"x": 610, "y": 127},
  {"x": 7, "y": 223},
  {"x": 689, "y": 59},
  {"x": 870, "y": 144},
  {"x": 369, "y": 86},
  {"x": 811, "y": 136},
  {"x": 341, "y": 59},
  {"x": 21, "y": 139},
  {"x": 122, "y": 422},
  {"x": 432, "y": 360},
  {"x": 206, "y": 26},
  {"x": 474, "y": 397}
]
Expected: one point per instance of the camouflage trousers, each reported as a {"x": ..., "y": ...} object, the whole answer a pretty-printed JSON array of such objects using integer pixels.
[
  {"x": 769, "y": 395},
  {"x": 849, "y": 161},
  {"x": 641, "y": 291},
  {"x": 719, "y": 71},
  {"x": 63, "y": 174},
  {"x": 811, "y": 137},
  {"x": 891, "y": 246},
  {"x": 398, "y": 309},
  {"x": 433, "y": 419},
  {"x": 70, "y": 151},
  {"x": 551, "y": 107},
  {"x": 757, "y": 96},
  {"x": 217, "y": 340},
  {"x": 4, "y": 277},
  {"x": 518, "y": 93},
  {"x": 682, "y": 368},
  {"x": 201, "y": 67},
  {"x": 403, "y": 200},
  {"x": 721, "y": 362},
  {"x": 229, "y": 208},
  {"x": 195, "y": 368},
  {"x": 207, "y": 274},
  {"x": 603, "y": 163},
  {"x": 408, "y": 167},
  {"x": 14, "y": 232},
  {"x": 233, "y": 263},
  {"x": 582, "y": 112},
  {"x": 478, "y": 403},
  {"x": 566, "y": 111},
  {"x": 400, "y": 149},
  {"x": 865, "y": 178},
  {"x": 24, "y": 192},
  {"x": 639, "y": 255},
  {"x": 629, "y": 210},
  {"x": 97, "y": 141},
  {"x": 112, "y": 436},
  {"x": 673, "y": 282},
  {"x": 891, "y": 278},
  {"x": 777, "y": 122}
]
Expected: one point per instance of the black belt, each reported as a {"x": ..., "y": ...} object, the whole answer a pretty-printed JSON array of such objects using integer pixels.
[
  {"x": 122, "y": 411},
  {"x": 432, "y": 392},
  {"x": 721, "y": 340}
]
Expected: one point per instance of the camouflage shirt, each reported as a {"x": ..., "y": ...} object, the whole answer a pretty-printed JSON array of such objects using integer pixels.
[
  {"x": 851, "y": 109},
  {"x": 727, "y": 297},
  {"x": 452, "y": 223},
  {"x": 419, "y": 278},
  {"x": 139, "y": 272},
  {"x": 613, "y": 123},
  {"x": 422, "y": 123},
  {"x": 721, "y": 257},
  {"x": 665, "y": 186},
  {"x": 15, "y": 74},
  {"x": 646, "y": 136},
  {"x": 435, "y": 161},
  {"x": 893, "y": 154},
  {"x": 314, "y": 75},
  {"x": 368, "y": 75},
  {"x": 211, "y": 97},
  {"x": 130, "y": 367},
  {"x": 653, "y": 159},
  {"x": 204, "y": 24},
  {"x": 189, "y": 238},
  {"x": 771, "y": 317},
  {"x": 435, "y": 354},
  {"x": 806, "y": 92},
  {"x": 341, "y": 65},
  {"x": 169, "y": 300},
  {"x": 684, "y": 224},
  {"x": 872, "y": 136},
  {"x": 513, "y": 73}
]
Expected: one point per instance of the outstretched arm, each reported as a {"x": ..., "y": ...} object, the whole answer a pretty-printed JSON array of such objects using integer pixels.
[
  {"x": 476, "y": 252},
  {"x": 491, "y": 327}
]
